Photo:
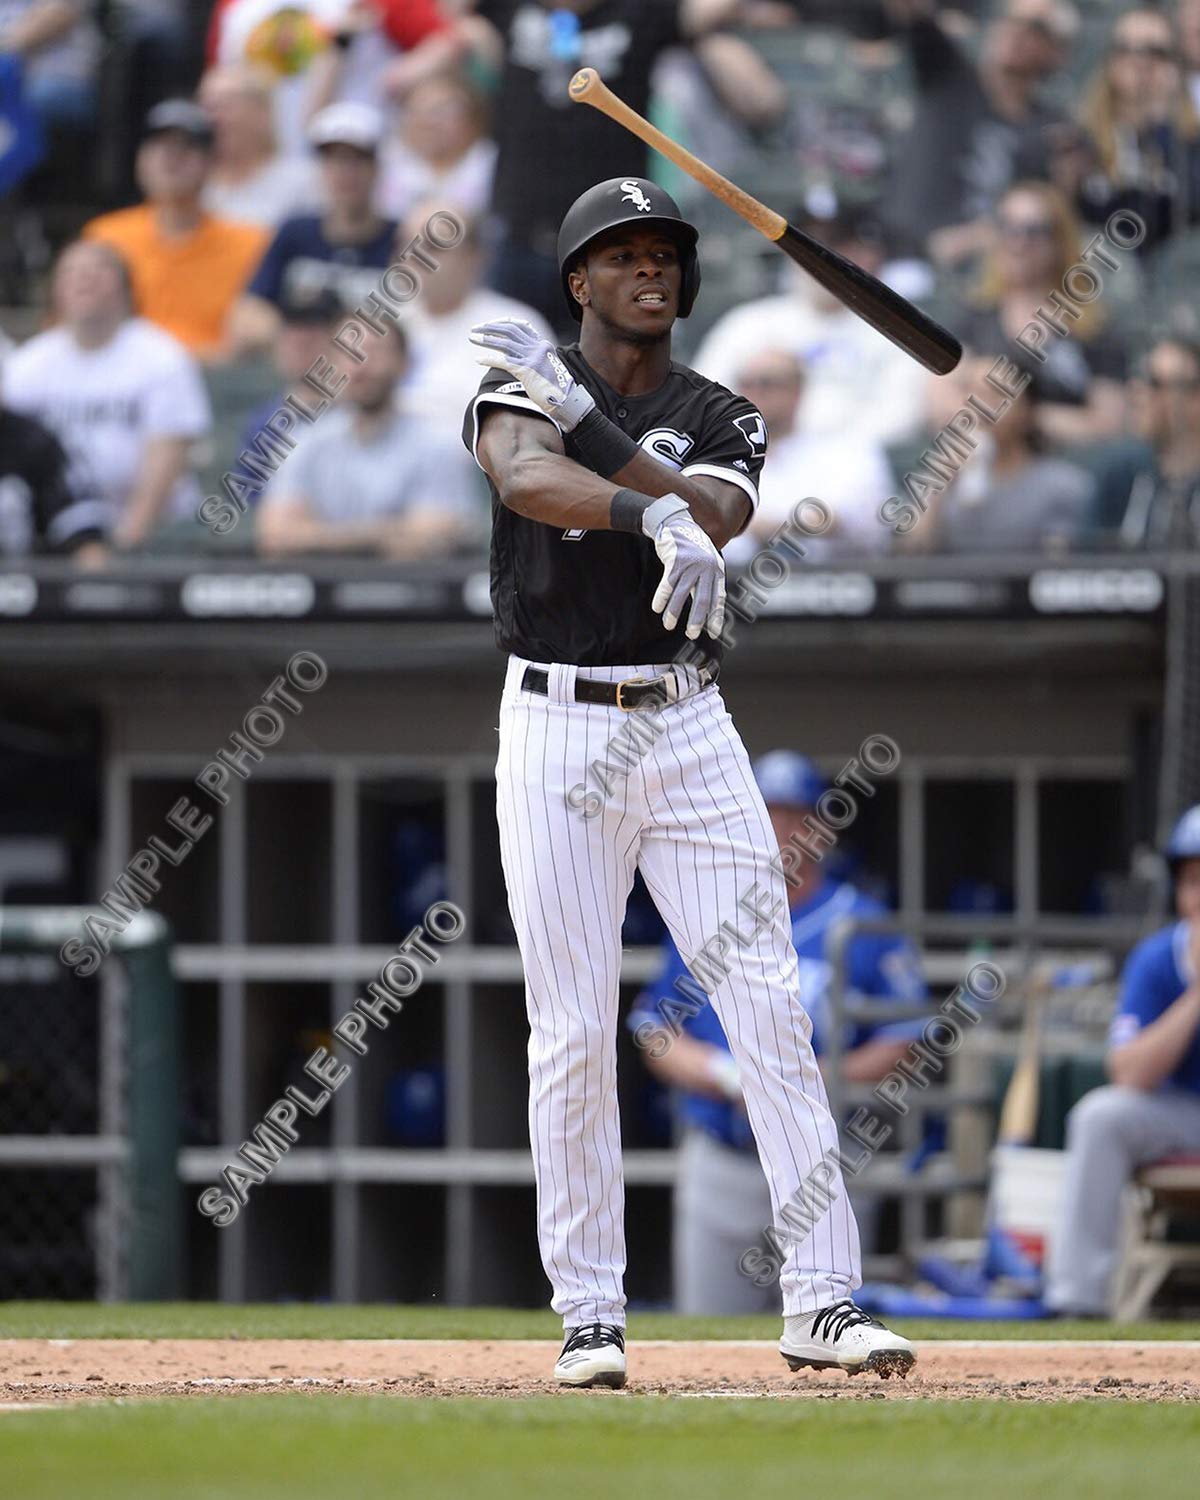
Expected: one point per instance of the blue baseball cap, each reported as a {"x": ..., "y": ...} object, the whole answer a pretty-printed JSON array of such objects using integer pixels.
[
  {"x": 786, "y": 779},
  {"x": 1184, "y": 842}
]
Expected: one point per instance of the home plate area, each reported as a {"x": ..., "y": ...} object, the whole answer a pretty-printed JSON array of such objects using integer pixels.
[{"x": 38, "y": 1371}]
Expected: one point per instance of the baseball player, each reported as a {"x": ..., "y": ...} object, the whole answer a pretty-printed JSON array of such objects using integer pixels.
[
  {"x": 721, "y": 1202},
  {"x": 616, "y": 478},
  {"x": 1151, "y": 1109}
]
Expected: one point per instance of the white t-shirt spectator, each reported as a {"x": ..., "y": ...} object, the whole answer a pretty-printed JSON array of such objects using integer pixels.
[
  {"x": 852, "y": 477},
  {"x": 282, "y": 188},
  {"x": 443, "y": 374},
  {"x": 400, "y": 468},
  {"x": 105, "y": 404},
  {"x": 406, "y": 179},
  {"x": 856, "y": 380}
]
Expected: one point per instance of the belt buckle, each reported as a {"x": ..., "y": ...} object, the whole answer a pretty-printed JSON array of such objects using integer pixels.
[{"x": 622, "y": 685}]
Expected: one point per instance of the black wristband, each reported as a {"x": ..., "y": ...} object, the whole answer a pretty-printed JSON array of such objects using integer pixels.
[
  {"x": 600, "y": 445},
  {"x": 628, "y": 507},
  {"x": 631, "y": 511}
]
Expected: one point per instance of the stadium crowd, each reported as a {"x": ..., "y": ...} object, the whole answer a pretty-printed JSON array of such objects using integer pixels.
[{"x": 194, "y": 196}]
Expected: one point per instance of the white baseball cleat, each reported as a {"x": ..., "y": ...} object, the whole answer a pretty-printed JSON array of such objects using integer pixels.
[
  {"x": 594, "y": 1354},
  {"x": 843, "y": 1337}
]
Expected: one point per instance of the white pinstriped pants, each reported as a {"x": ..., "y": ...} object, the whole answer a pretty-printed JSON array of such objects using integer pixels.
[{"x": 691, "y": 818}]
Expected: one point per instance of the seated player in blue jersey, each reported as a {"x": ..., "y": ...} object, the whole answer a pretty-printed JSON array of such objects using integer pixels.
[
  {"x": 722, "y": 1204},
  {"x": 1151, "y": 1109}
]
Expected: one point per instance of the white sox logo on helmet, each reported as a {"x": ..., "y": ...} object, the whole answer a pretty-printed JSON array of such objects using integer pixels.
[{"x": 630, "y": 192}]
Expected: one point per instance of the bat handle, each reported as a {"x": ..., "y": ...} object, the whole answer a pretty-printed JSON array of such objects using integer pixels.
[{"x": 587, "y": 87}]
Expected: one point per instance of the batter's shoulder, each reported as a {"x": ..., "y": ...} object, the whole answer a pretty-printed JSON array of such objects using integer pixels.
[
  {"x": 692, "y": 380},
  {"x": 714, "y": 395}
]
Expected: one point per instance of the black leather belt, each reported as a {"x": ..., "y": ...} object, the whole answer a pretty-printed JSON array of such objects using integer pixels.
[{"x": 631, "y": 693}]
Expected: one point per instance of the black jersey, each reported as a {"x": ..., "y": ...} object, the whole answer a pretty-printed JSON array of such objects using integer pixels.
[
  {"x": 583, "y": 598},
  {"x": 37, "y": 508}
]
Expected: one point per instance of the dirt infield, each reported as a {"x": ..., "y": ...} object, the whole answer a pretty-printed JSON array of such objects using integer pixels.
[{"x": 50, "y": 1371}]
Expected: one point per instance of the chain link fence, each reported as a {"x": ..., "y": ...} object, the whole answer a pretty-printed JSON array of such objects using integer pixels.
[{"x": 89, "y": 1076}]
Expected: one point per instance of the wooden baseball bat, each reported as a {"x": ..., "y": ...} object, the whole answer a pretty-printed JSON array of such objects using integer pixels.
[
  {"x": 885, "y": 310},
  {"x": 1019, "y": 1113}
]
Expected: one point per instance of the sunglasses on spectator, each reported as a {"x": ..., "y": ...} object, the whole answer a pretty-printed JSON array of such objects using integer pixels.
[
  {"x": 1158, "y": 51},
  {"x": 1030, "y": 229}
]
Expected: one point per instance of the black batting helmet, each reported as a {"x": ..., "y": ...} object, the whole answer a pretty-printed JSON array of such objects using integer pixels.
[{"x": 626, "y": 200}]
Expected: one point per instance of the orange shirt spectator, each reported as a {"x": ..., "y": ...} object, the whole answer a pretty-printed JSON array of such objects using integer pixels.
[
  {"x": 187, "y": 267},
  {"x": 186, "y": 285}
]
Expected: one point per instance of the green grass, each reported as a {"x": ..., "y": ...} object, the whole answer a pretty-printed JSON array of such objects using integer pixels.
[
  {"x": 196, "y": 1320},
  {"x": 595, "y": 1447}
]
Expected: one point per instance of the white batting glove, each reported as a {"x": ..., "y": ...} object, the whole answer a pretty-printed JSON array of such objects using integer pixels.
[
  {"x": 515, "y": 346},
  {"x": 692, "y": 567}
]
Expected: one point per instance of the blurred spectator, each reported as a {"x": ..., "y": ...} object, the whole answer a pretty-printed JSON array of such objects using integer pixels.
[
  {"x": 59, "y": 47},
  {"x": 38, "y": 509},
  {"x": 322, "y": 51},
  {"x": 404, "y": 41},
  {"x": 443, "y": 374},
  {"x": 124, "y": 398},
  {"x": 978, "y": 126},
  {"x": 856, "y": 380},
  {"x": 1008, "y": 496},
  {"x": 721, "y": 97},
  {"x": 1081, "y": 380},
  {"x": 22, "y": 147},
  {"x": 249, "y": 180},
  {"x": 1150, "y": 1110},
  {"x": 343, "y": 248},
  {"x": 1144, "y": 128},
  {"x": 721, "y": 1200},
  {"x": 1188, "y": 25},
  {"x": 159, "y": 40},
  {"x": 1149, "y": 490},
  {"x": 850, "y": 475},
  {"x": 547, "y": 157},
  {"x": 306, "y": 328},
  {"x": 187, "y": 266},
  {"x": 369, "y": 477},
  {"x": 441, "y": 151}
]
